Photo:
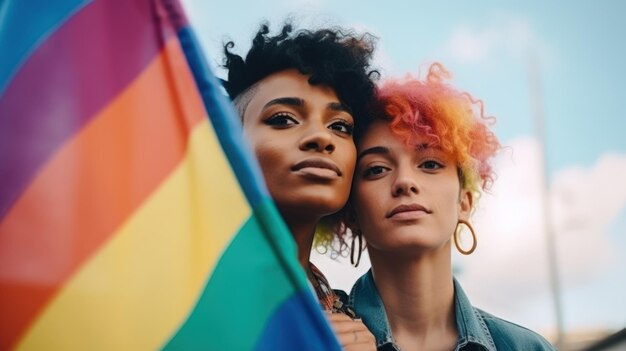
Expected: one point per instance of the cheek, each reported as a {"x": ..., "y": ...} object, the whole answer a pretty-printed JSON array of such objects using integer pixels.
[
  {"x": 349, "y": 174},
  {"x": 368, "y": 204},
  {"x": 345, "y": 154},
  {"x": 267, "y": 151},
  {"x": 270, "y": 159},
  {"x": 448, "y": 204}
]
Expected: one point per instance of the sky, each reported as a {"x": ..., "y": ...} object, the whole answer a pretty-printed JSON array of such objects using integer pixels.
[{"x": 564, "y": 60}]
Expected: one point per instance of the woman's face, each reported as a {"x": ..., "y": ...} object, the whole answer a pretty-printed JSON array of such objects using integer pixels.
[
  {"x": 302, "y": 137},
  {"x": 405, "y": 198}
]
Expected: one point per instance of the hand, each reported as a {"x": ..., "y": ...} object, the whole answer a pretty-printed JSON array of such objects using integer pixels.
[{"x": 353, "y": 335}]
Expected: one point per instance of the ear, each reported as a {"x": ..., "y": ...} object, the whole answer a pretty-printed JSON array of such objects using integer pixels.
[{"x": 466, "y": 201}]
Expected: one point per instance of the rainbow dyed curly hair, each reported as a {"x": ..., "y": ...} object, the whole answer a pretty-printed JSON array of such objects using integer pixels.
[{"x": 450, "y": 119}]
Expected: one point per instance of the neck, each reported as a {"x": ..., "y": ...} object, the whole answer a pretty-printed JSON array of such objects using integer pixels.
[
  {"x": 418, "y": 294},
  {"x": 303, "y": 230}
]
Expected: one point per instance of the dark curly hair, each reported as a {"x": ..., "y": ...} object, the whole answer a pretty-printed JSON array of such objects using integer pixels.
[{"x": 334, "y": 57}]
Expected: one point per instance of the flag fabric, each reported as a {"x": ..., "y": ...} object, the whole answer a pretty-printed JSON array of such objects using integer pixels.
[{"x": 132, "y": 216}]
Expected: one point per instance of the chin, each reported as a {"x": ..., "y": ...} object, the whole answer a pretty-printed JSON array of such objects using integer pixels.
[
  {"x": 325, "y": 199},
  {"x": 312, "y": 205},
  {"x": 324, "y": 207},
  {"x": 408, "y": 243}
]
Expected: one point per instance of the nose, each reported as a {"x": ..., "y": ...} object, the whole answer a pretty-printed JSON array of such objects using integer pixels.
[
  {"x": 405, "y": 184},
  {"x": 318, "y": 139}
]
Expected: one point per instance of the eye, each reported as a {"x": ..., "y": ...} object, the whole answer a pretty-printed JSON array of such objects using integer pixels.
[
  {"x": 374, "y": 171},
  {"x": 342, "y": 126},
  {"x": 281, "y": 120},
  {"x": 431, "y": 165}
]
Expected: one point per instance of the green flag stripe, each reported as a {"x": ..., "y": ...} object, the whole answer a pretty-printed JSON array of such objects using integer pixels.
[{"x": 236, "y": 303}]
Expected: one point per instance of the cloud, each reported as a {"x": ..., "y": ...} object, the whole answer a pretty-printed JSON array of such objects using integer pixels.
[
  {"x": 512, "y": 261},
  {"x": 585, "y": 203},
  {"x": 506, "y": 36},
  {"x": 469, "y": 45}
]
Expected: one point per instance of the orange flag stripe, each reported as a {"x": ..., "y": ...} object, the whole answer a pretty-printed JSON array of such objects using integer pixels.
[{"x": 92, "y": 185}]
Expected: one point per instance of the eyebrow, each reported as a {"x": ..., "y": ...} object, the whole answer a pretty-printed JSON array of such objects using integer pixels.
[
  {"x": 298, "y": 102},
  {"x": 338, "y": 106},
  {"x": 383, "y": 150},
  {"x": 290, "y": 101},
  {"x": 426, "y": 147},
  {"x": 376, "y": 150}
]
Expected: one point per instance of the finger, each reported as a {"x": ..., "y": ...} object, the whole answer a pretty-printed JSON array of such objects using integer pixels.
[
  {"x": 343, "y": 326},
  {"x": 339, "y": 317},
  {"x": 356, "y": 337},
  {"x": 348, "y": 338},
  {"x": 360, "y": 347}
]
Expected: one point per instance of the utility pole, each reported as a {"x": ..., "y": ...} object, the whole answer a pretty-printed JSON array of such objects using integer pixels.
[{"x": 540, "y": 133}]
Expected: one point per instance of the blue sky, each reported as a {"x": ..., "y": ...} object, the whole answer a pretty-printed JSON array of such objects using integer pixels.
[
  {"x": 580, "y": 51},
  {"x": 579, "y": 47}
]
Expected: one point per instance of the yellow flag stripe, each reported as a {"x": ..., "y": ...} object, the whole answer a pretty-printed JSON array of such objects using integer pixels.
[{"x": 141, "y": 286}]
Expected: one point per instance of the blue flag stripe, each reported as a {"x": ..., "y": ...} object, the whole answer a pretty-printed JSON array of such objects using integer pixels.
[{"x": 24, "y": 25}]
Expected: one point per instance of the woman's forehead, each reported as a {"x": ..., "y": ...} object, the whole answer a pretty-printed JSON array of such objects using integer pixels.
[
  {"x": 290, "y": 83},
  {"x": 379, "y": 133},
  {"x": 380, "y": 136}
]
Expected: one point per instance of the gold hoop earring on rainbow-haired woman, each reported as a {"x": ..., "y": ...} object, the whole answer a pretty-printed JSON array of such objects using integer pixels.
[{"x": 457, "y": 234}]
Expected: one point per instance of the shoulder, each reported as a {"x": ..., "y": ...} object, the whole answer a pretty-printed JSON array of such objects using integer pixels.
[
  {"x": 510, "y": 336},
  {"x": 363, "y": 284},
  {"x": 363, "y": 292}
]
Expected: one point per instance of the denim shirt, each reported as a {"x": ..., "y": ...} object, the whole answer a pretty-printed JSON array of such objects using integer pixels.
[{"x": 477, "y": 329}]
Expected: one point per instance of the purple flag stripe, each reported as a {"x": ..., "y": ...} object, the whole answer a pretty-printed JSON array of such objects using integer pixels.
[{"x": 66, "y": 81}]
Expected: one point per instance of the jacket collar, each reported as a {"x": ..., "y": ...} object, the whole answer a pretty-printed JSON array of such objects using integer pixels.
[
  {"x": 368, "y": 305},
  {"x": 469, "y": 322}
]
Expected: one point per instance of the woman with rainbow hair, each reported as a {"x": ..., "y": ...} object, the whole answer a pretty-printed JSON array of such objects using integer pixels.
[{"x": 422, "y": 163}]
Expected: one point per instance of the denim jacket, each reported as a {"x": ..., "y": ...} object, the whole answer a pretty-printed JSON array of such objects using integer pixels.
[{"x": 477, "y": 329}]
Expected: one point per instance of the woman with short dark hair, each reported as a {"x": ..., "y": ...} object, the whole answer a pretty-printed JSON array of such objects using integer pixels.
[{"x": 302, "y": 96}]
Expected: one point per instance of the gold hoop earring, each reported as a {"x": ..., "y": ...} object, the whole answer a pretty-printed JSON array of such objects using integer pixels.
[
  {"x": 355, "y": 234},
  {"x": 457, "y": 233}
]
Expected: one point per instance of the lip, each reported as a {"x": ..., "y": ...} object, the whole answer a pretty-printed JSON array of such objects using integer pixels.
[
  {"x": 408, "y": 212},
  {"x": 317, "y": 167}
]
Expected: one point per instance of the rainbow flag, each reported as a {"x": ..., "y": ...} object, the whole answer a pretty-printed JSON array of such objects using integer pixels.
[{"x": 131, "y": 215}]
